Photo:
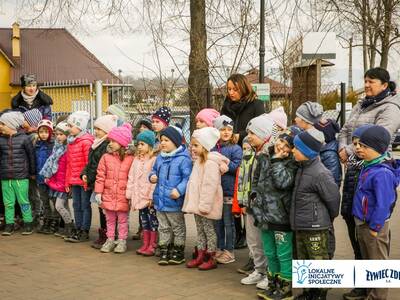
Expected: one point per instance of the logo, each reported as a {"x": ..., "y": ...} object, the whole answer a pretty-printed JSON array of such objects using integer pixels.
[
  {"x": 301, "y": 270},
  {"x": 385, "y": 274}
]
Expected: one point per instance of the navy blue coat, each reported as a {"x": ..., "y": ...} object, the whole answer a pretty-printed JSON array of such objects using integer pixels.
[
  {"x": 330, "y": 159},
  {"x": 43, "y": 151},
  {"x": 354, "y": 166}
]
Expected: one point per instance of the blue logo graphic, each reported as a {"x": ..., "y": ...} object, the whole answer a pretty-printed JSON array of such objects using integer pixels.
[{"x": 301, "y": 270}]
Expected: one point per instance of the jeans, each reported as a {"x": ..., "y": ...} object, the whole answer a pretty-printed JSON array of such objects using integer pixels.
[
  {"x": 226, "y": 229},
  {"x": 82, "y": 208}
]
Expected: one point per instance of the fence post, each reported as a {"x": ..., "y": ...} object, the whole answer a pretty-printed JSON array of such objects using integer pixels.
[
  {"x": 99, "y": 97},
  {"x": 342, "y": 104}
]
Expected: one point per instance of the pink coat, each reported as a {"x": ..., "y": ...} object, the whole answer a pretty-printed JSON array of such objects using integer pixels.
[
  {"x": 140, "y": 190},
  {"x": 204, "y": 190},
  {"x": 57, "y": 181},
  {"x": 111, "y": 181}
]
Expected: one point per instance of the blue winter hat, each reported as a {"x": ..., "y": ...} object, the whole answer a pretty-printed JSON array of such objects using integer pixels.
[
  {"x": 359, "y": 130},
  {"x": 148, "y": 137},
  {"x": 377, "y": 138},
  {"x": 308, "y": 143},
  {"x": 174, "y": 134},
  {"x": 290, "y": 134}
]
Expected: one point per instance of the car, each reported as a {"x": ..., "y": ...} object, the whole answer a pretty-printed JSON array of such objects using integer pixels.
[{"x": 396, "y": 141}]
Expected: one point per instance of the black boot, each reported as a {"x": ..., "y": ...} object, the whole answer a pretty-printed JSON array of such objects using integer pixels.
[
  {"x": 177, "y": 256},
  {"x": 163, "y": 255},
  {"x": 8, "y": 230},
  {"x": 53, "y": 226},
  {"x": 45, "y": 228},
  {"x": 28, "y": 229},
  {"x": 248, "y": 268}
]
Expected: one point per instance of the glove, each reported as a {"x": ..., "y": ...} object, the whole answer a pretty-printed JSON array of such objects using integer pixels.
[{"x": 98, "y": 199}]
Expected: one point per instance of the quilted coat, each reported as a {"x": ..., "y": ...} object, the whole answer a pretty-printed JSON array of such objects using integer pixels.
[
  {"x": 43, "y": 150},
  {"x": 57, "y": 181}
]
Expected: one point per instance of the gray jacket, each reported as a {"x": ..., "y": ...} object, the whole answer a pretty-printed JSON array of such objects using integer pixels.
[
  {"x": 316, "y": 197},
  {"x": 385, "y": 113}
]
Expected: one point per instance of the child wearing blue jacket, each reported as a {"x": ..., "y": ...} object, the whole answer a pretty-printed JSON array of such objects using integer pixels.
[
  {"x": 171, "y": 172},
  {"x": 375, "y": 197},
  {"x": 226, "y": 226}
]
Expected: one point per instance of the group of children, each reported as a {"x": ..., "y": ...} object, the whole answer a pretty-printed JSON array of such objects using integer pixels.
[{"x": 284, "y": 181}]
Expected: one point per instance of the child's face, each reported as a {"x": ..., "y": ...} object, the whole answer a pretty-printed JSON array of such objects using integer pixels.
[
  {"x": 60, "y": 137},
  {"x": 282, "y": 147},
  {"x": 196, "y": 148},
  {"x": 157, "y": 125},
  {"x": 200, "y": 124},
  {"x": 167, "y": 145},
  {"x": 357, "y": 148},
  {"x": 301, "y": 123},
  {"x": 73, "y": 130},
  {"x": 43, "y": 133},
  {"x": 246, "y": 147},
  {"x": 143, "y": 148},
  {"x": 98, "y": 133},
  {"x": 143, "y": 128},
  {"x": 298, "y": 155},
  {"x": 226, "y": 133},
  {"x": 364, "y": 152},
  {"x": 254, "y": 140},
  {"x": 114, "y": 146}
]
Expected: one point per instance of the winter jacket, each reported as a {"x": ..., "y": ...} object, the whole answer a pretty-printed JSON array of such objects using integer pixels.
[
  {"x": 90, "y": 170},
  {"x": 272, "y": 190},
  {"x": 385, "y": 113},
  {"x": 241, "y": 113},
  {"x": 204, "y": 196},
  {"x": 376, "y": 194},
  {"x": 77, "y": 159},
  {"x": 43, "y": 151},
  {"x": 17, "y": 156},
  {"x": 330, "y": 159},
  {"x": 315, "y": 197},
  {"x": 112, "y": 180},
  {"x": 234, "y": 153},
  {"x": 42, "y": 102},
  {"x": 244, "y": 178},
  {"x": 354, "y": 166},
  {"x": 55, "y": 168},
  {"x": 173, "y": 171},
  {"x": 57, "y": 181},
  {"x": 140, "y": 189}
]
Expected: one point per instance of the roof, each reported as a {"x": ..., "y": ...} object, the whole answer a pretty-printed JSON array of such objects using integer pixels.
[
  {"x": 311, "y": 62},
  {"x": 53, "y": 55}
]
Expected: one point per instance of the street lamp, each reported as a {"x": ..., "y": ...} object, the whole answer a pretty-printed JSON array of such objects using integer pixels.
[{"x": 262, "y": 41}]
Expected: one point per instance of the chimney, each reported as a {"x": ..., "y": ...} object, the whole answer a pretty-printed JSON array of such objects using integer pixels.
[{"x": 16, "y": 43}]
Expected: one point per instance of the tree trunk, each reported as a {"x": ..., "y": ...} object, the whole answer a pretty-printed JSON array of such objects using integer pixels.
[
  {"x": 198, "y": 63},
  {"x": 385, "y": 39},
  {"x": 364, "y": 34}
]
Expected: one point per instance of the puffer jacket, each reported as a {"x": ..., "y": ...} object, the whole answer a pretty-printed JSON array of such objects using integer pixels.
[
  {"x": 17, "y": 156},
  {"x": 140, "y": 189},
  {"x": 316, "y": 197},
  {"x": 234, "y": 153},
  {"x": 204, "y": 191},
  {"x": 384, "y": 113},
  {"x": 112, "y": 180},
  {"x": 272, "y": 190},
  {"x": 244, "y": 178},
  {"x": 90, "y": 170},
  {"x": 42, "y": 102},
  {"x": 330, "y": 159},
  {"x": 354, "y": 166},
  {"x": 43, "y": 151},
  {"x": 57, "y": 181},
  {"x": 77, "y": 159},
  {"x": 173, "y": 171}
]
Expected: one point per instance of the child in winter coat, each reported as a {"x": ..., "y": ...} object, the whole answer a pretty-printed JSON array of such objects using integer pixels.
[
  {"x": 54, "y": 171},
  {"x": 204, "y": 197},
  {"x": 79, "y": 143},
  {"x": 110, "y": 187},
  {"x": 102, "y": 127},
  {"x": 160, "y": 120},
  {"x": 171, "y": 172},
  {"x": 17, "y": 165},
  {"x": 140, "y": 191},
  {"x": 225, "y": 226},
  {"x": 205, "y": 117}
]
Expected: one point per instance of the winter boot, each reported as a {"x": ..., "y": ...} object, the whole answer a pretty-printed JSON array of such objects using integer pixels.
[
  {"x": 164, "y": 257},
  {"x": 248, "y": 268},
  {"x": 151, "y": 249},
  {"x": 101, "y": 239},
  {"x": 197, "y": 261},
  {"x": 177, "y": 256},
  {"x": 121, "y": 247},
  {"x": 284, "y": 289},
  {"x": 270, "y": 291},
  {"x": 145, "y": 242},
  {"x": 209, "y": 262},
  {"x": 60, "y": 232},
  {"x": 68, "y": 229},
  {"x": 45, "y": 228},
  {"x": 28, "y": 229},
  {"x": 8, "y": 230},
  {"x": 53, "y": 226}
]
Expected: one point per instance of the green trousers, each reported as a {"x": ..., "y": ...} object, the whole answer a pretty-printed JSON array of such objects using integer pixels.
[
  {"x": 16, "y": 189},
  {"x": 278, "y": 247}
]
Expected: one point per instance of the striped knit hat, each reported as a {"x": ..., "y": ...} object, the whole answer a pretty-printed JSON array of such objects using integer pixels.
[{"x": 309, "y": 142}]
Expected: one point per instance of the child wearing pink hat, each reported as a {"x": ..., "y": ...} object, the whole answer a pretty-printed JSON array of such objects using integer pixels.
[{"x": 205, "y": 118}]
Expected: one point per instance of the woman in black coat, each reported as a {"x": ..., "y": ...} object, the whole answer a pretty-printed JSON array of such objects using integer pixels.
[{"x": 241, "y": 104}]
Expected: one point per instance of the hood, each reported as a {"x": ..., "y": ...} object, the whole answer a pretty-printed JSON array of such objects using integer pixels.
[{"x": 391, "y": 164}]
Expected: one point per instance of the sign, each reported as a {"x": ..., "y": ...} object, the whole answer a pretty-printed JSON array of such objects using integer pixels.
[{"x": 262, "y": 90}]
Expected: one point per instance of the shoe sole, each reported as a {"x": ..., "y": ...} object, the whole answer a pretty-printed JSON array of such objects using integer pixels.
[
  {"x": 262, "y": 296},
  {"x": 103, "y": 251},
  {"x": 163, "y": 263},
  {"x": 176, "y": 262},
  {"x": 6, "y": 233},
  {"x": 226, "y": 262},
  {"x": 27, "y": 232},
  {"x": 214, "y": 267}
]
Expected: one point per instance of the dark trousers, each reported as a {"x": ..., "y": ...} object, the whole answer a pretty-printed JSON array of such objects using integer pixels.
[{"x": 351, "y": 230}]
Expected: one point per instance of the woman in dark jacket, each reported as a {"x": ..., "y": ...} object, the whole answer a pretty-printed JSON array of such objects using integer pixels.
[
  {"x": 31, "y": 97},
  {"x": 241, "y": 104}
]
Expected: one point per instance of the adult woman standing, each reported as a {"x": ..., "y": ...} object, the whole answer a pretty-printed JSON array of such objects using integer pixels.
[
  {"x": 241, "y": 104},
  {"x": 31, "y": 97}
]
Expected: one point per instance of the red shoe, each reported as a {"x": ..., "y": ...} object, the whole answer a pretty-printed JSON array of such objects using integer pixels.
[
  {"x": 194, "y": 263},
  {"x": 151, "y": 249},
  {"x": 209, "y": 263},
  {"x": 145, "y": 242}
]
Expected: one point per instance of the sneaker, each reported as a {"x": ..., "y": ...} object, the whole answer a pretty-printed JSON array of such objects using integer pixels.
[
  {"x": 263, "y": 284},
  {"x": 8, "y": 230},
  {"x": 177, "y": 255},
  {"x": 253, "y": 278},
  {"x": 226, "y": 258},
  {"x": 247, "y": 268},
  {"x": 60, "y": 232},
  {"x": 355, "y": 294},
  {"x": 27, "y": 229},
  {"x": 79, "y": 236},
  {"x": 121, "y": 246},
  {"x": 163, "y": 256},
  {"x": 108, "y": 246},
  {"x": 271, "y": 291},
  {"x": 218, "y": 253}
]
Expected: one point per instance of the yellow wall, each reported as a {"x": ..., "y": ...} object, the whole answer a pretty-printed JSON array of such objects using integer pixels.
[{"x": 5, "y": 88}]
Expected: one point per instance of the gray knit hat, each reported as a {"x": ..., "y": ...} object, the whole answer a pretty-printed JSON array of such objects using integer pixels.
[
  {"x": 261, "y": 126},
  {"x": 316, "y": 134},
  {"x": 222, "y": 121},
  {"x": 310, "y": 112},
  {"x": 12, "y": 119}
]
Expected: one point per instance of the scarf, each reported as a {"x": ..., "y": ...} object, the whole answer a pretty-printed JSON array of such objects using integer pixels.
[
  {"x": 235, "y": 107},
  {"x": 72, "y": 138},
  {"x": 97, "y": 142},
  {"x": 172, "y": 153},
  {"x": 29, "y": 99},
  {"x": 369, "y": 100},
  {"x": 375, "y": 161},
  {"x": 51, "y": 165}
]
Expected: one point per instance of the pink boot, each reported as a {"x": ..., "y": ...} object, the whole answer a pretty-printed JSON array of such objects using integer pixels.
[
  {"x": 152, "y": 244},
  {"x": 145, "y": 242}
]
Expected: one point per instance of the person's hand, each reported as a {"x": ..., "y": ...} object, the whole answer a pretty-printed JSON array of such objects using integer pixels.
[
  {"x": 343, "y": 155},
  {"x": 373, "y": 233},
  {"x": 98, "y": 199},
  {"x": 280, "y": 151},
  {"x": 153, "y": 178},
  {"x": 84, "y": 178},
  {"x": 67, "y": 189},
  {"x": 174, "y": 194},
  {"x": 236, "y": 137}
]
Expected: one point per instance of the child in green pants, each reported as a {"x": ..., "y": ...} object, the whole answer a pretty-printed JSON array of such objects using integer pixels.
[{"x": 17, "y": 165}]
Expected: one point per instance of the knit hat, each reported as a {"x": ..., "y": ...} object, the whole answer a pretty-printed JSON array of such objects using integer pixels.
[
  {"x": 148, "y": 137},
  {"x": 49, "y": 125},
  {"x": 309, "y": 143},
  {"x": 290, "y": 134},
  {"x": 122, "y": 135},
  {"x": 261, "y": 126},
  {"x": 329, "y": 128},
  {"x": 377, "y": 138},
  {"x": 117, "y": 110},
  {"x": 146, "y": 122},
  {"x": 163, "y": 114},
  {"x": 174, "y": 134},
  {"x": 12, "y": 119},
  {"x": 207, "y": 115},
  {"x": 28, "y": 79},
  {"x": 207, "y": 137},
  {"x": 33, "y": 117},
  {"x": 63, "y": 127},
  {"x": 106, "y": 123},
  {"x": 279, "y": 117},
  {"x": 310, "y": 112},
  {"x": 359, "y": 130},
  {"x": 222, "y": 121},
  {"x": 79, "y": 119}
]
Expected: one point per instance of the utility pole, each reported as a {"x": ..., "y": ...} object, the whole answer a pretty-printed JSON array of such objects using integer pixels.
[
  {"x": 350, "y": 82},
  {"x": 262, "y": 41}
]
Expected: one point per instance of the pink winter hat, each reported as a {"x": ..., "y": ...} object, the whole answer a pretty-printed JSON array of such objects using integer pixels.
[
  {"x": 122, "y": 135},
  {"x": 207, "y": 115},
  {"x": 106, "y": 123},
  {"x": 279, "y": 117}
]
